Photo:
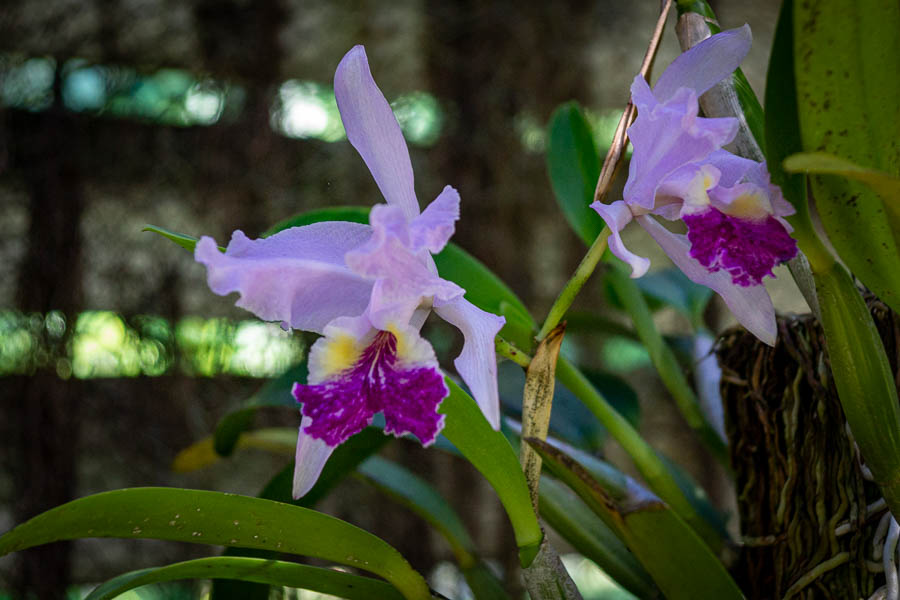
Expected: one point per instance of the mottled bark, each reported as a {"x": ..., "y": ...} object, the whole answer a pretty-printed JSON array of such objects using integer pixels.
[{"x": 802, "y": 496}]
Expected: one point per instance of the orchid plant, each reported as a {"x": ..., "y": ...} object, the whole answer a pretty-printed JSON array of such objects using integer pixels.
[{"x": 367, "y": 289}]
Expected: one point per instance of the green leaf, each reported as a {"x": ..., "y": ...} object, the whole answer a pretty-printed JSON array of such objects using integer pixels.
[
  {"x": 672, "y": 287},
  {"x": 885, "y": 185},
  {"x": 863, "y": 377},
  {"x": 270, "y": 572},
  {"x": 573, "y": 166},
  {"x": 490, "y": 453},
  {"x": 219, "y": 519},
  {"x": 488, "y": 292},
  {"x": 354, "y": 214},
  {"x": 664, "y": 360},
  {"x": 421, "y": 498},
  {"x": 586, "y": 170},
  {"x": 680, "y": 562},
  {"x": 570, "y": 517},
  {"x": 342, "y": 461},
  {"x": 653, "y": 469},
  {"x": 185, "y": 241},
  {"x": 201, "y": 454},
  {"x": 846, "y": 56},
  {"x": 276, "y": 392}
]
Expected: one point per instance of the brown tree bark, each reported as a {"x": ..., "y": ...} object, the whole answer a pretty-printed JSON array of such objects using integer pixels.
[
  {"x": 802, "y": 497},
  {"x": 44, "y": 407}
]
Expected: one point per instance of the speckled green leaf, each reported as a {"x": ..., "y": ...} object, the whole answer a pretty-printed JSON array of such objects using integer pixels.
[
  {"x": 257, "y": 570},
  {"x": 203, "y": 517},
  {"x": 847, "y": 56}
]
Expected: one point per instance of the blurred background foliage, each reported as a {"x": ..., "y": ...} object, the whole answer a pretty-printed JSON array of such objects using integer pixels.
[{"x": 206, "y": 116}]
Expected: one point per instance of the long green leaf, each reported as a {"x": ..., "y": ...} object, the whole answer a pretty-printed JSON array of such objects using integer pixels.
[
  {"x": 863, "y": 377},
  {"x": 846, "y": 57},
  {"x": 420, "y": 497},
  {"x": 680, "y": 562},
  {"x": 861, "y": 372},
  {"x": 490, "y": 453},
  {"x": 263, "y": 571},
  {"x": 884, "y": 184},
  {"x": 276, "y": 392},
  {"x": 570, "y": 517},
  {"x": 342, "y": 461},
  {"x": 576, "y": 147},
  {"x": 573, "y": 167},
  {"x": 220, "y": 519}
]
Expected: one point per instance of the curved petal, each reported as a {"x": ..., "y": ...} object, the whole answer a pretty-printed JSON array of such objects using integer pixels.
[
  {"x": 434, "y": 227},
  {"x": 751, "y": 305},
  {"x": 617, "y": 215},
  {"x": 310, "y": 459},
  {"x": 374, "y": 132},
  {"x": 666, "y": 137},
  {"x": 477, "y": 363},
  {"x": 707, "y": 63},
  {"x": 733, "y": 168},
  {"x": 297, "y": 276},
  {"x": 403, "y": 277}
]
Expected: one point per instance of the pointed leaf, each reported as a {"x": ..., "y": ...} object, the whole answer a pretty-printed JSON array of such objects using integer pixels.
[
  {"x": 490, "y": 453},
  {"x": 270, "y": 572},
  {"x": 219, "y": 519},
  {"x": 570, "y": 517},
  {"x": 680, "y": 562},
  {"x": 420, "y": 497},
  {"x": 573, "y": 166}
]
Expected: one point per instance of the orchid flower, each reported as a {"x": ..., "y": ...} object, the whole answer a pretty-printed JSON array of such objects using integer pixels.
[
  {"x": 367, "y": 289},
  {"x": 736, "y": 232}
]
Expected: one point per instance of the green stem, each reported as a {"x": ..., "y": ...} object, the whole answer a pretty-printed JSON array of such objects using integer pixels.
[
  {"x": 576, "y": 282},
  {"x": 651, "y": 467}
]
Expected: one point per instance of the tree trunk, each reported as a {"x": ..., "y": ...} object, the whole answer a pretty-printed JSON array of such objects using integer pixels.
[
  {"x": 43, "y": 407},
  {"x": 802, "y": 496}
]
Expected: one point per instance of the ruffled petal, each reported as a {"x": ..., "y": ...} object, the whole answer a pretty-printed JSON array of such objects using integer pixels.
[
  {"x": 704, "y": 65},
  {"x": 617, "y": 215},
  {"x": 750, "y": 305},
  {"x": 310, "y": 459},
  {"x": 374, "y": 132},
  {"x": 352, "y": 377},
  {"x": 477, "y": 363},
  {"x": 733, "y": 168},
  {"x": 297, "y": 276},
  {"x": 666, "y": 137},
  {"x": 434, "y": 227},
  {"x": 403, "y": 277}
]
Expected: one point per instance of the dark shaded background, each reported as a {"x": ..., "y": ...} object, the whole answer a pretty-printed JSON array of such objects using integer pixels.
[{"x": 76, "y": 186}]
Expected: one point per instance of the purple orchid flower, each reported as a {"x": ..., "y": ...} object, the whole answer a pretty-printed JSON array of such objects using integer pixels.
[
  {"x": 368, "y": 289},
  {"x": 736, "y": 232}
]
